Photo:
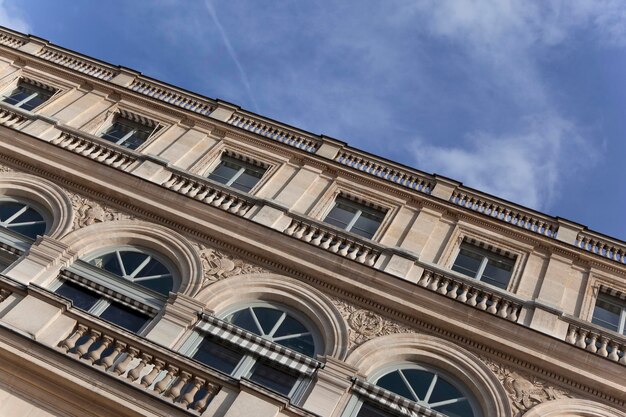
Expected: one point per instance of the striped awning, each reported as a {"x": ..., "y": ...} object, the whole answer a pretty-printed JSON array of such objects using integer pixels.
[
  {"x": 256, "y": 345},
  {"x": 390, "y": 401},
  {"x": 38, "y": 84},
  {"x": 107, "y": 292},
  {"x": 137, "y": 118},
  {"x": 489, "y": 247},
  {"x": 605, "y": 289}
]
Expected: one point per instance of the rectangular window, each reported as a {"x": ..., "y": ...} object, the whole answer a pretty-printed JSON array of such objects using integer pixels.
[
  {"x": 127, "y": 133},
  {"x": 28, "y": 96},
  {"x": 237, "y": 174},
  {"x": 273, "y": 378},
  {"x": 217, "y": 356},
  {"x": 355, "y": 217},
  {"x": 610, "y": 313},
  {"x": 102, "y": 307},
  {"x": 484, "y": 265}
]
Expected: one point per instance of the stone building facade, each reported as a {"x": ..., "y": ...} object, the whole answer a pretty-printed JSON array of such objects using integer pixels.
[{"x": 166, "y": 254}]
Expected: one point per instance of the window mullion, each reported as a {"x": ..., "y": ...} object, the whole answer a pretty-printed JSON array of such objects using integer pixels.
[
  {"x": 481, "y": 269},
  {"x": 236, "y": 176},
  {"x": 126, "y": 136},
  {"x": 99, "y": 307},
  {"x": 27, "y": 99},
  {"x": 354, "y": 219}
]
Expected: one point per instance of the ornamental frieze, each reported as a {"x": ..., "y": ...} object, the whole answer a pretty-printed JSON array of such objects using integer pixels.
[
  {"x": 365, "y": 324},
  {"x": 524, "y": 390}
]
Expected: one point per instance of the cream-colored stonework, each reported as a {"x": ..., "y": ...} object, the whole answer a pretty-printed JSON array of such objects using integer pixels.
[{"x": 370, "y": 306}]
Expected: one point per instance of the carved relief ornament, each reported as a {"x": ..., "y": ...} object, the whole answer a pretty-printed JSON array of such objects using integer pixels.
[
  {"x": 365, "y": 324},
  {"x": 217, "y": 265},
  {"x": 88, "y": 211},
  {"x": 524, "y": 391}
]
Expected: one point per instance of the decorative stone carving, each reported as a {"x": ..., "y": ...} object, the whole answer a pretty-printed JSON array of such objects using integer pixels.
[
  {"x": 524, "y": 390},
  {"x": 217, "y": 265},
  {"x": 4, "y": 168},
  {"x": 365, "y": 324},
  {"x": 88, "y": 212}
]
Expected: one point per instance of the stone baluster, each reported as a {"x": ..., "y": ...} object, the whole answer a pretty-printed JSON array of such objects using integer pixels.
[
  {"x": 425, "y": 279},
  {"x": 463, "y": 296},
  {"x": 189, "y": 396},
  {"x": 582, "y": 338},
  {"x": 69, "y": 343},
  {"x": 162, "y": 385},
  {"x": 148, "y": 379},
  {"x": 95, "y": 354},
  {"x": 107, "y": 361},
  {"x": 210, "y": 391},
  {"x": 443, "y": 288},
  {"x": 91, "y": 338},
  {"x": 174, "y": 392},
  {"x": 493, "y": 308},
  {"x": 122, "y": 366},
  {"x": 482, "y": 305},
  {"x": 622, "y": 360},
  {"x": 134, "y": 373},
  {"x": 613, "y": 354},
  {"x": 503, "y": 310},
  {"x": 603, "y": 344},
  {"x": 434, "y": 282},
  {"x": 591, "y": 346}
]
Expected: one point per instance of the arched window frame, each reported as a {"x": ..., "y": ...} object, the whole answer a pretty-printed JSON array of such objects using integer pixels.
[
  {"x": 357, "y": 401},
  {"x": 16, "y": 239},
  {"x": 115, "y": 289},
  {"x": 250, "y": 360}
]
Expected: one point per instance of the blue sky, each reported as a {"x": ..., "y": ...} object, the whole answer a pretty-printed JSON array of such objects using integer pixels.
[{"x": 523, "y": 99}]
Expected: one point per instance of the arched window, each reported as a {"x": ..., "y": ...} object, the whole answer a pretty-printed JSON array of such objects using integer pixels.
[
  {"x": 138, "y": 266},
  {"x": 276, "y": 325},
  {"x": 127, "y": 285},
  {"x": 21, "y": 221},
  {"x": 423, "y": 386},
  {"x": 260, "y": 361},
  {"x": 21, "y": 217}
]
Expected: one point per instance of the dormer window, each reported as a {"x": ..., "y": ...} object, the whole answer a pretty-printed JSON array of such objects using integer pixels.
[
  {"x": 127, "y": 132},
  {"x": 237, "y": 173},
  {"x": 28, "y": 95}
]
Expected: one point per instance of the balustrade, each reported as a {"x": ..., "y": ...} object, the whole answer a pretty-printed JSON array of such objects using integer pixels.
[
  {"x": 385, "y": 171},
  {"x": 173, "y": 97},
  {"x": 11, "y": 41},
  {"x": 332, "y": 241},
  {"x": 603, "y": 246},
  {"x": 183, "y": 385},
  {"x": 92, "y": 149},
  {"x": 10, "y": 118},
  {"x": 274, "y": 132},
  {"x": 77, "y": 64},
  {"x": 597, "y": 341},
  {"x": 498, "y": 303},
  {"x": 203, "y": 190},
  {"x": 517, "y": 217}
]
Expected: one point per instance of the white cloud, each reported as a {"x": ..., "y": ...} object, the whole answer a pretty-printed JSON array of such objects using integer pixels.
[
  {"x": 505, "y": 40},
  {"x": 9, "y": 17}
]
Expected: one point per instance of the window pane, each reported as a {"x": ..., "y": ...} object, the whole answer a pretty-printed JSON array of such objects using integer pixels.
[
  {"x": 267, "y": 318},
  {"x": 20, "y": 93},
  {"x": 246, "y": 181},
  {"x": 497, "y": 273},
  {"x": 394, "y": 383},
  {"x": 368, "y": 410},
  {"x": 108, "y": 262},
  {"x": 22, "y": 219},
  {"x": 444, "y": 391},
  {"x": 606, "y": 314},
  {"x": 217, "y": 356},
  {"x": 243, "y": 318},
  {"x": 272, "y": 378},
  {"x": 340, "y": 215},
  {"x": 81, "y": 297},
  {"x": 23, "y": 91},
  {"x": 121, "y": 128},
  {"x": 367, "y": 224},
  {"x": 458, "y": 409},
  {"x": 419, "y": 380},
  {"x": 40, "y": 98},
  {"x": 302, "y": 344},
  {"x": 467, "y": 263},
  {"x": 225, "y": 171},
  {"x": 125, "y": 317},
  {"x": 162, "y": 285}
]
